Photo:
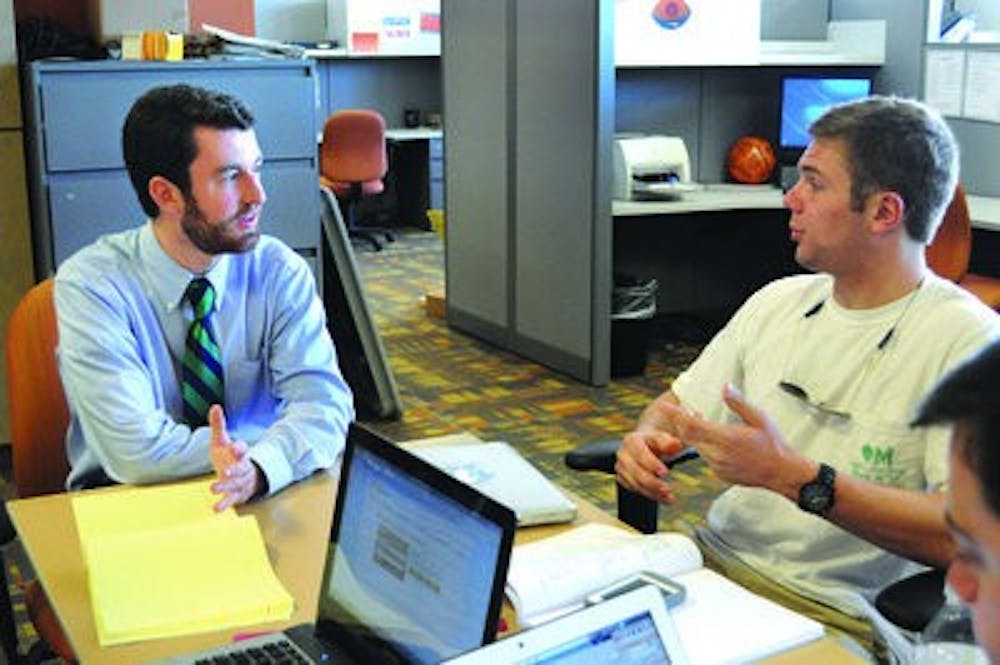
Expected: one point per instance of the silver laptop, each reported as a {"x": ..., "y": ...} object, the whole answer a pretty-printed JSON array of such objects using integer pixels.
[
  {"x": 631, "y": 629},
  {"x": 414, "y": 572}
]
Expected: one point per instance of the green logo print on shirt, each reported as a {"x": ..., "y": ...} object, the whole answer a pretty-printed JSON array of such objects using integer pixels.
[{"x": 877, "y": 464}]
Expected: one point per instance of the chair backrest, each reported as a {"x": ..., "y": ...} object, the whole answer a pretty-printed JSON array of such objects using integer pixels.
[
  {"x": 39, "y": 415},
  {"x": 949, "y": 251},
  {"x": 353, "y": 148}
]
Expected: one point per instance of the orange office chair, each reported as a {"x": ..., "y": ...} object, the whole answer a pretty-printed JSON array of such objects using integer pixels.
[
  {"x": 949, "y": 251},
  {"x": 39, "y": 417},
  {"x": 352, "y": 164}
]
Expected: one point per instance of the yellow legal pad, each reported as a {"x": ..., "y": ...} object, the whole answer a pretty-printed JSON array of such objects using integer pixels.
[{"x": 162, "y": 563}]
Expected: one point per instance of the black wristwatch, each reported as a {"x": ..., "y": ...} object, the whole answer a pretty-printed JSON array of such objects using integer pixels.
[{"x": 817, "y": 496}]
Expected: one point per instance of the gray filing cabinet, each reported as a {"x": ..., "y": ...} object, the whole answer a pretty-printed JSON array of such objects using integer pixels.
[
  {"x": 79, "y": 187},
  {"x": 436, "y": 168}
]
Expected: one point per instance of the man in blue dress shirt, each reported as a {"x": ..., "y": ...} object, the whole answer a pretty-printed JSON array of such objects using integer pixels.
[{"x": 124, "y": 313}]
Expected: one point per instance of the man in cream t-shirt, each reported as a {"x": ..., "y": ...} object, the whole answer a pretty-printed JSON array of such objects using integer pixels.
[{"x": 804, "y": 400}]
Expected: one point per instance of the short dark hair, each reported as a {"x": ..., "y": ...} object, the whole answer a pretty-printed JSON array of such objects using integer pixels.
[
  {"x": 158, "y": 135},
  {"x": 899, "y": 145},
  {"x": 969, "y": 396}
]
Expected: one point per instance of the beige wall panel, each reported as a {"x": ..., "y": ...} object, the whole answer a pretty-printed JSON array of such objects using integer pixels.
[
  {"x": 16, "y": 272},
  {"x": 10, "y": 104}
]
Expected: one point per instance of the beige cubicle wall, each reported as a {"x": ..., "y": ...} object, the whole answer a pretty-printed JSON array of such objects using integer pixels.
[{"x": 527, "y": 176}]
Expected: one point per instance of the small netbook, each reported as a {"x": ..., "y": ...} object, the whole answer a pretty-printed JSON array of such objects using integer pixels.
[
  {"x": 414, "y": 571},
  {"x": 631, "y": 629},
  {"x": 499, "y": 471}
]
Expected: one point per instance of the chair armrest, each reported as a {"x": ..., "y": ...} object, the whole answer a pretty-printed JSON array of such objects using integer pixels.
[
  {"x": 911, "y": 602},
  {"x": 594, "y": 456},
  {"x": 634, "y": 509},
  {"x": 600, "y": 456}
]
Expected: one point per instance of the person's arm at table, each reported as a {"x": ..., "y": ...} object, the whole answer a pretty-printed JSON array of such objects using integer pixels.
[
  {"x": 754, "y": 453},
  {"x": 315, "y": 403},
  {"x": 238, "y": 479},
  {"x": 640, "y": 464}
]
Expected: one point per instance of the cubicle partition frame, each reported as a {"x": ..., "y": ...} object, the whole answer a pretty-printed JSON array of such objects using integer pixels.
[{"x": 527, "y": 177}]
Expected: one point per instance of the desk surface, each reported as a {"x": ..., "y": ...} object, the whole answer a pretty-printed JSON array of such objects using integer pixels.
[
  {"x": 403, "y": 134},
  {"x": 984, "y": 210},
  {"x": 295, "y": 524},
  {"x": 708, "y": 198},
  {"x": 413, "y": 133}
]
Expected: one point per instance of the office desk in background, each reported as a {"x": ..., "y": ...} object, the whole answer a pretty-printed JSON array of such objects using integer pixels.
[
  {"x": 295, "y": 525},
  {"x": 983, "y": 210},
  {"x": 712, "y": 248},
  {"x": 416, "y": 166},
  {"x": 710, "y": 198},
  {"x": 414, "y": 181},
  {"x": 708, "y": 250}
]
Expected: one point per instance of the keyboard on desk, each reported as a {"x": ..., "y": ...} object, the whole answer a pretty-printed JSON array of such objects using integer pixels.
[{"x": 275, "y": 648}]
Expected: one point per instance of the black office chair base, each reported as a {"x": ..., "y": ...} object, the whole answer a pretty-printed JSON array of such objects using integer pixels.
[
  {"x": 376, "y": 236},
  {"x": 368, "y": 237}
]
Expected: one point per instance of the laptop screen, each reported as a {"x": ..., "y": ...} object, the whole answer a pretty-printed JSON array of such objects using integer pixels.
[
  {"x": 632, "y": 641},
  {"x": 631, "y": 629},
  {"x": 417, "y": 559}
]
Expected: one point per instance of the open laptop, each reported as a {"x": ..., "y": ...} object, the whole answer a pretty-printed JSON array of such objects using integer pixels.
[
  {"x": 632, "y": 629},
  {"x": 414, "y": 571}
]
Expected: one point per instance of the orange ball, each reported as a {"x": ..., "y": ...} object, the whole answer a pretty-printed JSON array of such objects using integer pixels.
[{"x": 751, "y": 160}]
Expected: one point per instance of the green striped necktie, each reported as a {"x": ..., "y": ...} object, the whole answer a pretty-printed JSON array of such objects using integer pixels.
[{"x": 201, "y": 368}]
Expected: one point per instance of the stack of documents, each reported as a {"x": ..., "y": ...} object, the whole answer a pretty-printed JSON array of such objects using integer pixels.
[
  {"x": 162, "y": 563},
  {"x": 553, "y": 576}
]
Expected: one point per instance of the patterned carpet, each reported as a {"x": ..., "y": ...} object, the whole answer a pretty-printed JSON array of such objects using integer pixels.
[{"x": 451, "y": 382}]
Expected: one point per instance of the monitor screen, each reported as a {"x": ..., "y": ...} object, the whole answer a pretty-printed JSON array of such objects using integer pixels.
[{"x": 806, "y": 98}]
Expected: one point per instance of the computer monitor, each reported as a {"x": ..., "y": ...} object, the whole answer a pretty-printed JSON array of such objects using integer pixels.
[{"x": 806, "y": 98}]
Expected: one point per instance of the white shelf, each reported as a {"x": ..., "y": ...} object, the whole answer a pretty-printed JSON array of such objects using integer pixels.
[
  {"x": 984, "y": 210},
  {"x": 708, "y": 198},
  {"x": 858, "y": 43}
]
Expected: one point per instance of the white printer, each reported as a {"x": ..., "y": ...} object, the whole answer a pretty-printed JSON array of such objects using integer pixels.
[{"x": 650, "y": 167}]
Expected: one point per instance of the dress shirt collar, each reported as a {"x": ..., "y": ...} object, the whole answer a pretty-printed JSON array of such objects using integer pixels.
[{"x": 169, "y": 280}]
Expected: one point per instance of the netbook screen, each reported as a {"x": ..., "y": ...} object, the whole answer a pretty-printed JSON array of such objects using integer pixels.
[
  {"x": 412, "y": 566},
  {"x": 633, "y": 641}
]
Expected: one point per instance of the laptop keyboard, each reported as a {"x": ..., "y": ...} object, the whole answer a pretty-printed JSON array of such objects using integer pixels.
[{"x": 278, "y": 652}]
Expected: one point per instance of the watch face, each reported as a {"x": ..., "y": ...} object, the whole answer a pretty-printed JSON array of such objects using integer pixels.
[{"x": 815, "y": 497}]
